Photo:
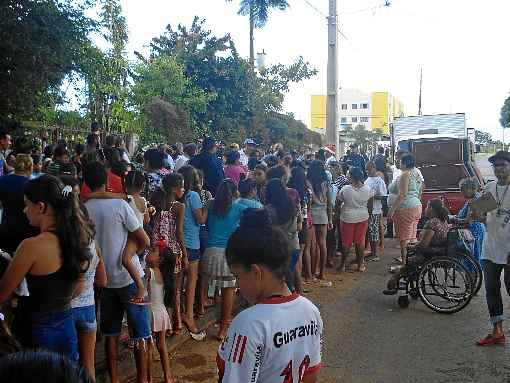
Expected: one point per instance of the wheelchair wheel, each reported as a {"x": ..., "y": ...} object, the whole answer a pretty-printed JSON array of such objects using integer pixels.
[
  {"x": 403, "y": 301},
  {"x": 473, "y": 267},
  {"x": 445, "y": 285}
]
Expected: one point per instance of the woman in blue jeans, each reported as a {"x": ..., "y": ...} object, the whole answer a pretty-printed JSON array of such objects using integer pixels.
[{"x": 52, "y": 264}]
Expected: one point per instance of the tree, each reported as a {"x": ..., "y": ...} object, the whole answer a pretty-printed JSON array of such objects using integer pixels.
[
  {"x": 258, "y": 12},
  {"x": 106, "y": 73},
  {"x": 362, "y": 136},
  {"x": 166, "y": 99},
  {"x": 483, "y": 138},
  {"x": 238, "y": 100},
  {"x": 41, "y": 42},
  {"x": 504, "y": 119}
]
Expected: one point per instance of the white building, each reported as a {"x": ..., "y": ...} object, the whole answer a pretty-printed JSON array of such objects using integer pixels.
[{"x": 354, "y": 108}]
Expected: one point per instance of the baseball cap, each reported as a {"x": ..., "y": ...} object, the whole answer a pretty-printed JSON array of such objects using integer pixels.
[
  {"x": 250, "y": 141},
  {"x": 500, "y": 155}
]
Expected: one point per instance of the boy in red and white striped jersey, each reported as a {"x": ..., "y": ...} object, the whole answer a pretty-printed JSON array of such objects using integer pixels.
[{"x": 278, "y": 339}]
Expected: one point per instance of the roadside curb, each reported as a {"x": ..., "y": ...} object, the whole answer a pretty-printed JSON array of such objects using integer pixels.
[{"x": 126, "y": 361}]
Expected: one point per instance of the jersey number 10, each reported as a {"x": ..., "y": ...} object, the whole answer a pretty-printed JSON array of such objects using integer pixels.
[{"x": 287, "y": 372}]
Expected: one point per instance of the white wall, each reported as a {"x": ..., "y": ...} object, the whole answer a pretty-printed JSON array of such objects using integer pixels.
[{"x": 354, "y": 96}]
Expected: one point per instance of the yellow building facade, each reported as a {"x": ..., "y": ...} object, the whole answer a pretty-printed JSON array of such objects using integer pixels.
[
  {"x": 375, "y": 110},
  {"x": 318, "y": 113}
]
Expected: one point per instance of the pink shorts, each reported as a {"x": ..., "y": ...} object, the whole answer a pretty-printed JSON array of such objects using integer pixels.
[
  {"x": 353, "y": 233},
  {"x": 406, "y": 223}
]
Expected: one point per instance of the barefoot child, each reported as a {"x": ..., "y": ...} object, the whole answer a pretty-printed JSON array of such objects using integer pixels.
[
  {"x": 279, "y": 337},
  {"x": 168, "y": 227},
  {"x": 195, "y": 214},
  {"x": 160, "y": 318}
]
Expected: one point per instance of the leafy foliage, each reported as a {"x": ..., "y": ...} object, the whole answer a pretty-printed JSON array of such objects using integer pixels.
[
  {"x": 483, "y": 138},
  {"x": 106, "y": 73},
  {"x": 235, "y": 102},
  {"x": 193, "y": 83},
  {"x": 505, "y": 114},
  {"x": 364, "y": 137},
  {"x": 41, "y": 42},
  {"x": 259, "y": 9}
]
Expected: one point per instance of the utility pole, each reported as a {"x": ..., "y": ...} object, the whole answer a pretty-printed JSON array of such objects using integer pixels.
[
  {"x": 419, "y": 98},
  {"x": 332, "y": 98}
]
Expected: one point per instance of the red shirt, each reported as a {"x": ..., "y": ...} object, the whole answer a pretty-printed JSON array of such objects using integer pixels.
[{"x": 113, "y": 184}]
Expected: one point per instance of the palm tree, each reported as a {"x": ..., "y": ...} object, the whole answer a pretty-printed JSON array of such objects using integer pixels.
[{"x": 258, "y": 11}]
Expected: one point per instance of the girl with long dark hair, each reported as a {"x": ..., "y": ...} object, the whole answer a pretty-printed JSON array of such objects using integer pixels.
[
  {"x": 306, "y": 235},
  {"x": 195, "y": 214},
  {"x": 321, "y": 213},
  {"x": 223, "y": 218},
  {"x": 285, "y": 215},
  {"x": 52, "y": 263},
  {"x": 168, "y": 236}
]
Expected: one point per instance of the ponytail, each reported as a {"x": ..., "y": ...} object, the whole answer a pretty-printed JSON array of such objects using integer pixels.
[{"x": 73, "y": 229}]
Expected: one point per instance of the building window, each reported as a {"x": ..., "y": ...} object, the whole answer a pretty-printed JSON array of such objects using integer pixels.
[
  {"x": 364, "y": 119},
  {"x": 354, "y": 106},
  {"x": 364, "y": 106},
  {"x": 344, "y": 106},
  {"x": 343, "y": 120},
  {"x": 355, "y": 119}
]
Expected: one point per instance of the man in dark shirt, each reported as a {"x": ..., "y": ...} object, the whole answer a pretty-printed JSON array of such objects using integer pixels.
[
  {"x": 210, "y": 164},
  {"x": 355, "y": 158},
  {"x": 15, "y": 227}
]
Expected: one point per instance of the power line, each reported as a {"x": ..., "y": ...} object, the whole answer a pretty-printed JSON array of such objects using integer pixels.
[
  {"x": 325, "y": 16},
  {"x": 353, "y": 12},
  {"x": 316, "y": 9}
]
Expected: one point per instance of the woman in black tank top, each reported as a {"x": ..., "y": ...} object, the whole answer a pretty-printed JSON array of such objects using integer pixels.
[{"x": 52, "y": 264}]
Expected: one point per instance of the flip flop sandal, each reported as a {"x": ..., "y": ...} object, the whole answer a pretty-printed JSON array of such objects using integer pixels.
[{"x": 489, "y": 340}]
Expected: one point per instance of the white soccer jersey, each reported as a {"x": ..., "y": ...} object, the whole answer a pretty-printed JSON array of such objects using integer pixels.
[{"x": 276, "y": 341}]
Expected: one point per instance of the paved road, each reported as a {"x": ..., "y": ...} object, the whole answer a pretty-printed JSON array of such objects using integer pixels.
[
  {"x": 369, "y": 339},
  {"x": 483, "y": 164}
]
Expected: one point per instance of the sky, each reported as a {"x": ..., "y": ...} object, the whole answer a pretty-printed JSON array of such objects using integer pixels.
[{"x": 460, "y": 44}]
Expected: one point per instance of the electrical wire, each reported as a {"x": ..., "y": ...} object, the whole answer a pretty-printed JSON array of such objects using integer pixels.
[
  {"x": 353, "y": 12},
  {"x": 325, "y": 16}
]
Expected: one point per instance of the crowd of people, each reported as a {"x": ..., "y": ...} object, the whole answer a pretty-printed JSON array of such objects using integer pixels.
[{"x": 155, "y": 241}]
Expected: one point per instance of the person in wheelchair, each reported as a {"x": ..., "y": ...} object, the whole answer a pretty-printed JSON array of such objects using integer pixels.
[{"x": 432, "y": 241}]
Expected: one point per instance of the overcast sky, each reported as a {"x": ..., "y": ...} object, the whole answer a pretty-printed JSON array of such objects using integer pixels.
[{"x": 462, "y": 46}]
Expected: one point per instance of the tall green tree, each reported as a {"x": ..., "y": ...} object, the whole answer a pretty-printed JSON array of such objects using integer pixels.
[
  {"x": 238, "y": 100},
  {"x": 505, "y": 114},
  {"x": 106, "y": 73},
  {"x": 258, "y": 13},
  {"x": 483, "y": 138},
  {"x": 40, "y": 43},
  {"x": 166, "y": 100}
]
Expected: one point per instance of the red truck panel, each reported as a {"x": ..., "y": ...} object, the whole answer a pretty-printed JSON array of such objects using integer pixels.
[{"x": 453, "y": 200}]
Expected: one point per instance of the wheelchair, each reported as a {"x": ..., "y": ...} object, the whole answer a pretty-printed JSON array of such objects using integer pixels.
[{"x": 448, "y": 277}]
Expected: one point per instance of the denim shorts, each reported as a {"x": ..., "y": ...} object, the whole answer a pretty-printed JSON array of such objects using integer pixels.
[
  {"x": 114, "y": 302},
  {"x": 85, "y": 319},
  {"x": 193, "y": 255},
  {"x": 55, "y": 332}
]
